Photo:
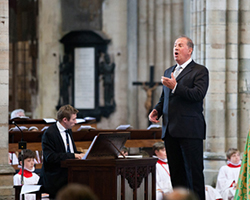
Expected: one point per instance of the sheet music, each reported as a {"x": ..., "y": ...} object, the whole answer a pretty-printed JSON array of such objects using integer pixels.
[
  {"x": 49, "y": 120},
  {"x": 89, "y": 118},
  {"x": 87, "y": 153},
  {"x": 84, "y": 78},
  {"x": 79, "y": 120},
  {"x": 106, "y": 145},
  {"x": 85, "y": 127},
  {"x": 124, "y": 127},
  {"x": 152, "y": 126},
  {"x": 30, "y": 188}
]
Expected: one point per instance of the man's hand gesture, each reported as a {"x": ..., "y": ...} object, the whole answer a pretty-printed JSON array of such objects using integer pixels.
[{"x": 153, "y": 116}]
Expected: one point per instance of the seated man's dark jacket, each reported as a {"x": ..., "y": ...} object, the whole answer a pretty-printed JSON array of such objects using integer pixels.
[{"x": 53, "y": 177}]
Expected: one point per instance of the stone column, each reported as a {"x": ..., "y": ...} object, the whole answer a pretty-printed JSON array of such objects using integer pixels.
[
  {"x": 115, "y": 27},
  {"x": 226, "y": 61},
  {"x": 132, "y": 62},
  {"x": 226, "y": 56},
  {"x": 168, "y": 37},
  {"x": 215, "y": 102},
  {"x": 226, "y": 105},
  {"x": 244, "y": 72},
  {"x": 143, "y": 56},
  {"x": 198, "y": 29},
  {"x": 208, "y": 31},
  {"x": 6, "y": 171},
  {"x": 50, "y": 51},
  {"x": 232, "y": 69}
]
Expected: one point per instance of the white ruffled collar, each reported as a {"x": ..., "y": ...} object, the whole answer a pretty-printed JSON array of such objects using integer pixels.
[
  {"x": 32, "y": 170},
  {"x": 228, "y": 162},
  {"x": 163, "y": 160}
]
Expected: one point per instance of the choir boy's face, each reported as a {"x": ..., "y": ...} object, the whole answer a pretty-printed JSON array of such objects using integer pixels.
[
  {"x": 161, "y": 153},
  {"x": 235, "y": 158},
  {"x": 29, "y": 163}
]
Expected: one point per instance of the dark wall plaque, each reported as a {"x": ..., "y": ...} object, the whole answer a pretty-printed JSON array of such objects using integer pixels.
[{"x": 80, "y": 71}]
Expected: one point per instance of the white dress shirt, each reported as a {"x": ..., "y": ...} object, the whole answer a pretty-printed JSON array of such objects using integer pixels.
[
  {"x": 63, "y": 135},
  {"x": 183, "y": 66}
]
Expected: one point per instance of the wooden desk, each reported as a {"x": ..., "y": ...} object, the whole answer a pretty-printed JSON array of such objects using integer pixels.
[
  {"x": 138, "y": 138},
  {"x": 102, "y": 176}
]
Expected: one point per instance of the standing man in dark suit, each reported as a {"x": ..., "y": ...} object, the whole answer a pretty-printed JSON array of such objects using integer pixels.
[
  {"x": 58, "y": 145},
  {"x": 181, "y": 105}
]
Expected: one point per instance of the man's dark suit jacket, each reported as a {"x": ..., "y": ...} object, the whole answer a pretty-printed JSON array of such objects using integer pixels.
[
  {"x": 182, "y": 110},
  {"x": 53, "y": 177}
]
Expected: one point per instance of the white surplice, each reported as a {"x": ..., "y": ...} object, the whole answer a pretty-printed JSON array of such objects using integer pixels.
[
  {"x": 212, "y": 193},
  {"x": 29, "y": 178},
  {"x": 227, "y": 179},
  {"x": 163, "y": 182}
]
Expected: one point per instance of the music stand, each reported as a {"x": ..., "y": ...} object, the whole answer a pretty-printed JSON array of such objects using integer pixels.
[{"x": 107, "y": 145}]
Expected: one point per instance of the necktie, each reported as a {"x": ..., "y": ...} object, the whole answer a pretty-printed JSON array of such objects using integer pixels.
[
  {"x": 67, "y": 140},
  {"x": 177, "y": 70}
]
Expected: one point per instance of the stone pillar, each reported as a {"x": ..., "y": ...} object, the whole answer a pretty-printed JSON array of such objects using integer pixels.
[
  {"x": 168, "y": 37},
  {"x": 216, "y": 26},
  {"x": 50, "y": 51},
  {"x": 232, "y": 69},
  {"x": 216, "y": 63},
  {"x": 6, "y": 171},
  {"x": 244, "y": 72},
  {"x": 227, "y": 60},
  {"x": 132, "y": 62},
  {"x": 159, "y": 45},
  {"x": 198, "y": 29},
  {"x": 145, "y": 23},
  {"x": 226, "y": 56},
  {"x": 115, "y": 27},
  {"x": 209, "y": 34}
]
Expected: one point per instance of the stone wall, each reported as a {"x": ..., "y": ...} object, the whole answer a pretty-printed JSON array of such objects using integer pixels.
[{"x": 6, "y": 171}]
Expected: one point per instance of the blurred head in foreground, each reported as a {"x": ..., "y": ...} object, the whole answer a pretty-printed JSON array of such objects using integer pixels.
[
  {"x": 180, "y": 194},
  {"x": 74, "y": 191}
]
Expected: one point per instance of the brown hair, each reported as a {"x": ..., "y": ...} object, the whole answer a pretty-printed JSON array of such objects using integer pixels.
[
  {"x": 158, "y": 146},
  {"x": 27, "y": 153},
  {"x": 231, "y": 151},
  {"x": 75, "y": 191},
  {"x": 66, "y": 111}
]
